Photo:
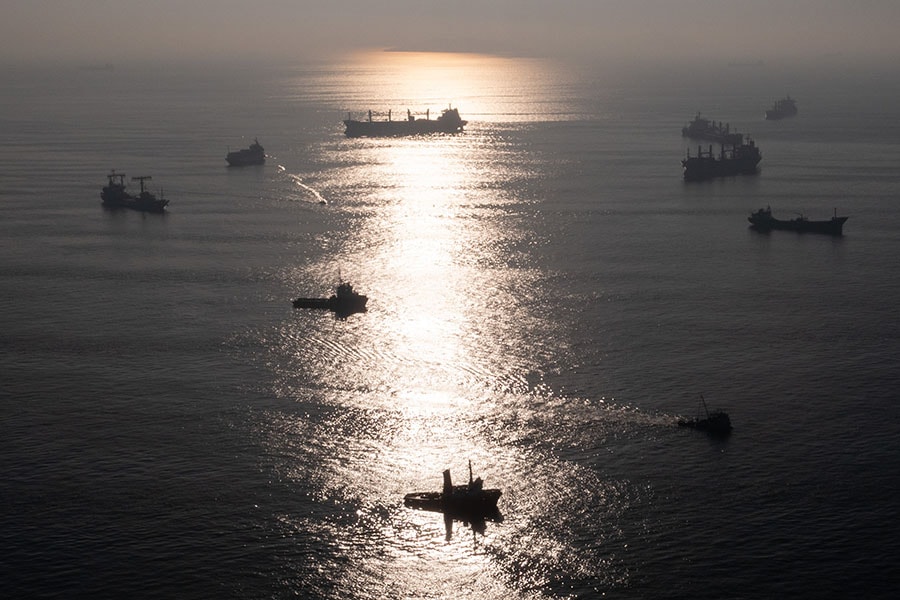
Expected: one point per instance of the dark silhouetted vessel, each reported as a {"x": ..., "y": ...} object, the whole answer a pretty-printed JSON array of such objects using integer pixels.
[
  {"x": 114, "y": 195},
  {"x": 716, "y": 423},
  {"x": 702, "y": 128},
  {"x": 733, "y": 159},
  {"x": 762, "y": 220},
  {"x": 471, "y": 499},
  {"x": 471, "y": 503},
  {"x": 786, "y": 107},
  {"x": 448, "y": 122},
  {"x": 345, "y": 301},
  {"x": 254, "y": 155}
]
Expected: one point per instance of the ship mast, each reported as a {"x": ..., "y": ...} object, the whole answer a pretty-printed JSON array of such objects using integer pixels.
[
  {"x": 141, "y": 178},
  {"x": 119, "y": 176}
]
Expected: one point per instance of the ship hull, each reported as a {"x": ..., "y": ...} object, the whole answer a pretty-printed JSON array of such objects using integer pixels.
[
  {"x": 460, "y": 501},
  {"x": 448, "y": 122},
  {"x": 399, "y": 128},
  {"x": 244, "y": 162},
  {"x": 343, "y": 305},
  {"x": 702, "y": 169},
  {"x": 356, "y": 304},
  {"x": 117, "y": 198},
  {"x": 777, "y": 115},
  {"x": 245, "y": 158},
  {"x": 733, "y": 160},
  {"x": 134, "y": 204},
  {"x": 833, "y": 226},
  {"x": 254, "y": 155},
  {"x": 715, "y": 424}
]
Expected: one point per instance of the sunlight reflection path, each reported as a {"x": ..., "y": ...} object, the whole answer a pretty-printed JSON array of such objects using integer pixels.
[{"x": 447, "y": 364}]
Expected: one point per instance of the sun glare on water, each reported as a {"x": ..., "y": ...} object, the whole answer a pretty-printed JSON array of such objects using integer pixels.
[
  {"x": 485, "y": 88},
  {"x": 433, "y": 228}
]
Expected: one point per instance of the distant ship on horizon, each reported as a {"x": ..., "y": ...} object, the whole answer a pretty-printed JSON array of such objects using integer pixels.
[
  {"x": 448, "y": 122},
  {"x": 705, "y": 129},
  {"x": 786, "y": 107}
]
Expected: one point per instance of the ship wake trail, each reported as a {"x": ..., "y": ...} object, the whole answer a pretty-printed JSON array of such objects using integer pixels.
[{"x": 312, "y": 192}]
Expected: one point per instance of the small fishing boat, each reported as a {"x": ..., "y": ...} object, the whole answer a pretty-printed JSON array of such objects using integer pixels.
[{"x": 714, "y": 423}]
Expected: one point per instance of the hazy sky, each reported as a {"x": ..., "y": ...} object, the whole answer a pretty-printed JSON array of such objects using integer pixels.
[{"x": 125, "y": 30}]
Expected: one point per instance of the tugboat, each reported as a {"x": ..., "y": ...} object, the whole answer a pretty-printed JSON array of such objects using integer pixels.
[
  {"x": 762, "y": 220},
  {"x": 702, "y": 128},
  {"x": 714, "y": 423},
  {"x": 448, "y": 122},
  {"x": 254, "y": 155},
  {"x": 470, "y": 503},
  {"x": 113, "y": 195},
  {"x": 345, "y": 301},
  {"x": 786, "y": 107},
  {"x": 469, "y": 499},
  {"x": 733, "y": 159}
]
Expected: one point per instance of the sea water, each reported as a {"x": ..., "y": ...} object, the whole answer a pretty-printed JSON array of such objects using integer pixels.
[{"x": 546, "y": 298}]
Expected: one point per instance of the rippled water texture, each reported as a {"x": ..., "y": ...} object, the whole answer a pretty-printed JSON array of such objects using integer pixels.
[{"x": 546, "y": 298}]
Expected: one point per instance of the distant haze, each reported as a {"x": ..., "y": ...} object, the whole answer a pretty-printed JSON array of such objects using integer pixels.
[{"x": 103, "y": 31}]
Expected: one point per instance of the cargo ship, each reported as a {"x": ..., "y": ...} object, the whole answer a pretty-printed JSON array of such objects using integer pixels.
[
  {"x": 786, "y": 107},
  {"x": 704, "y": 129},
  {"x": 114, "y": 195},
  {"x": 448, "y": 122},
  {"x": 733, "y": 159},
  {"x": 254, "y": 155},
  {"x": 762, "y": 220}
]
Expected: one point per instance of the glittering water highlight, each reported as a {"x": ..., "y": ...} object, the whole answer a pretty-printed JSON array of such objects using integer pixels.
[{"x": 546, "y": 298}]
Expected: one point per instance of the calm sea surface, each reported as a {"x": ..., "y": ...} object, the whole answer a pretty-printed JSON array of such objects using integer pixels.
[{"x": 546, "y": 298}]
